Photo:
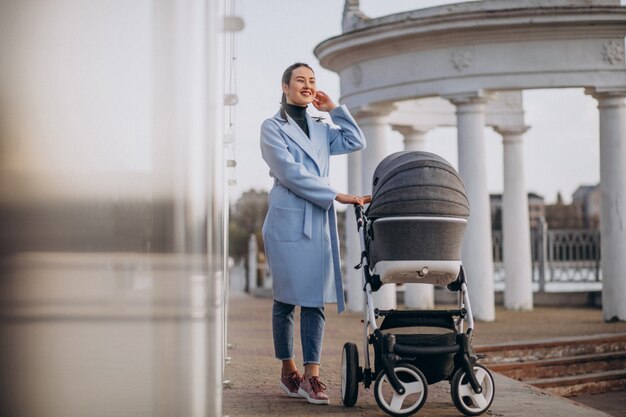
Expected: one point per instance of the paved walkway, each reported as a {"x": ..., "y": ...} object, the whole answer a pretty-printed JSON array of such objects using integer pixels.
[{"x": 254, "y": 372}]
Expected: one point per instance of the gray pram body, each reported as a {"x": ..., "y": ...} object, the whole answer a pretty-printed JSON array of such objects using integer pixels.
[{"x": 416, "y": 220}]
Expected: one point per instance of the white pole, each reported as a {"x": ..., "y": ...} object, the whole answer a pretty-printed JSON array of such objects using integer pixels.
[
  {"x": 476, "y": 252},
  {"x": 613, "y": 201},
  {"x": 518, "y": 293},
  {"x": 418, "y": 296},
  {"x": 374, "y": 125}
]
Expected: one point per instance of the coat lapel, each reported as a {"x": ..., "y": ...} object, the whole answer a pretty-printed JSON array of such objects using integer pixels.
[
  {"x": 317, "y": 131},
  {"x": 297, "y": 135}
]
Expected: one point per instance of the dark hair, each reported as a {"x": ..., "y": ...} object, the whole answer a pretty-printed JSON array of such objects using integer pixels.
[{"x": 285, "y": 80}]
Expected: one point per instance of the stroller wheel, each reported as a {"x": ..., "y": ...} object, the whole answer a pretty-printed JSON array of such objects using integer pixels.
[
  {"x": 413, "y": 399},
  {"x": 349, "y": 374},
  {"x": 465, "y": 398}
]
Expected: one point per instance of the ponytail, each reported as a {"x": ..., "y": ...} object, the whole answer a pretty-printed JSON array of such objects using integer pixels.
[{"x": 283, "y": 111}]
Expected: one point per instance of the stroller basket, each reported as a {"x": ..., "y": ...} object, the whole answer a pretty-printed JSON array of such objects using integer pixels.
[{"x": 439, "y": 363}]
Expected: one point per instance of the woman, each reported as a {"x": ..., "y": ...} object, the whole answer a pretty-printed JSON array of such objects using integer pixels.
[{"x": 300, "y": 232}]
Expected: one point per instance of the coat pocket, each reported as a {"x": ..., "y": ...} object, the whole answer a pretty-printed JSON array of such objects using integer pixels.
[{"x": 288, "y": 224}]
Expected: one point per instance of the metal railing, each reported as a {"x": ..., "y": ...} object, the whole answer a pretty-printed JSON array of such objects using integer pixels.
[{"x": 567, "y": 256}]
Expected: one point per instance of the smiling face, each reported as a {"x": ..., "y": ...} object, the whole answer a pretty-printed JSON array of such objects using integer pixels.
[{"x": 301, "y": 88}]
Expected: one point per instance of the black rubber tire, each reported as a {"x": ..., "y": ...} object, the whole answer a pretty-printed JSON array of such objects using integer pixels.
[
  {"x": 407, "y": 374},
  {"x": 468, "y": 404},
  {"x": 349, "y": 374}
]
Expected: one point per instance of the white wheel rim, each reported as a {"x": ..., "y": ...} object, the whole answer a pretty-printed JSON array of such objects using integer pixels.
[
  {"x": 411, "y": 388},
  {"x": 480, "y": 400}
]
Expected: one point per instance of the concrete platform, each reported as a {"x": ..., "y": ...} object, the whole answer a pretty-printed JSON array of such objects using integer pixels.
[{"x": 254, "y": 373}]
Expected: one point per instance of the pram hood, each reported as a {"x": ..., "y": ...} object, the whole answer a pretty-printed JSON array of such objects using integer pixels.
[{"x": 415, "y": 183}]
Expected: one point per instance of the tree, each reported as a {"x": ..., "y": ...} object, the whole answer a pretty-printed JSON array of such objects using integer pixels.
[{"x": 247, "y": 217}]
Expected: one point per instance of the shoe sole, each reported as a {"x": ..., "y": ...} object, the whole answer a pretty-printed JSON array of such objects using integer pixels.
[
  {"x": 305, "y": 394},
  {"x": 289, "y": 393}
]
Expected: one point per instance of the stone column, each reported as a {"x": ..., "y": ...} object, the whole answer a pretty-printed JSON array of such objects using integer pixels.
[
  {"x": 518, "y": 293},
  {"x": 477, "y": 246},
  {"x": 353, "y": 278},
  {"x": 418, "y": 296},
  {"x": 613, "y": 200},
  {"x": 413, "y": 136},
  {"x": 373, "y": 122}
]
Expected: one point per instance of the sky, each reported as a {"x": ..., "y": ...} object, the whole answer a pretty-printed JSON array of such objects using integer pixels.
[{"x": 561, "y": 148}]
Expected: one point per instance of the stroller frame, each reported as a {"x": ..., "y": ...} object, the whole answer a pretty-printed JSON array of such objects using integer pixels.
[{"x": 472, "y": 384}]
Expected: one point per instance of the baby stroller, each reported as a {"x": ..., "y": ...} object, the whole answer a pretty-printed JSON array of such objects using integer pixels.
[{"x": 411, "y": 233}]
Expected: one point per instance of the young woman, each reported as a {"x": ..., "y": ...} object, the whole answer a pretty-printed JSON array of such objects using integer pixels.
[{"x": 300, "y": 231}]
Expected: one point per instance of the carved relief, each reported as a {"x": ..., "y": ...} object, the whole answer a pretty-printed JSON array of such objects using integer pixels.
[
  {"x": 613, "y": 52},
  {"x": 462, "y": 59},
  {"x": 357, "y": 75}
]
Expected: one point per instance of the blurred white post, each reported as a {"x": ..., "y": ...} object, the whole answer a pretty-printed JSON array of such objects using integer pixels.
[
  {"x": 117, "y": 114},
  {"x": 612, "y": 109},
  {"x": 253, "y": 265},
  {"x": 372, "y": 121},
  {"x": 418, "y": 296},
  {"x": 477, "y": 248},
  {"x": 518, "y": 291},
  {"x": 354, "y": 277}
]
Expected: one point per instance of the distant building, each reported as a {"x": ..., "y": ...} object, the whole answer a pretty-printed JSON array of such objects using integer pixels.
[
  {"x": 564, "y": 216},
  {"x": 588, "y": 198},
  {"x": 536, "y": 210}
]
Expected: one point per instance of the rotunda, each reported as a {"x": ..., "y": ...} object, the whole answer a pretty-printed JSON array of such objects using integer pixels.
[{"x": 466, "y": 65}]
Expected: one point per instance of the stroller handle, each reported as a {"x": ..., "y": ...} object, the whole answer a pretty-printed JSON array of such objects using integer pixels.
[{"x": 358, "y": 213}]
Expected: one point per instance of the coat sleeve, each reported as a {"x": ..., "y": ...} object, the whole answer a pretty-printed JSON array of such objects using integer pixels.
[
  {"x": 348, "y": 137},
  {"x": 291, "y": 173}
]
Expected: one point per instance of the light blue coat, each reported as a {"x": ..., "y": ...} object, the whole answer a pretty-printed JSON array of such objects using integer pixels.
[{"x": 300, "y": 230}]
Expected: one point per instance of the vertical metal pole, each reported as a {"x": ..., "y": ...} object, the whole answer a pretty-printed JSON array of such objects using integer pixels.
[{"x": 543, "y": 253}]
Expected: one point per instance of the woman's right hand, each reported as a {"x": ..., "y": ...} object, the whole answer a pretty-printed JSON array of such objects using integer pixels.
[{"x": 353, "y": 199}]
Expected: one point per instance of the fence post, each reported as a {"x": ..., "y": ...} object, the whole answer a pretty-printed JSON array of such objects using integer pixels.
[
  {"x": 598, "y": 253},
  {"x": 543, "y": 253},
  {"x": 252, "y": 263}
]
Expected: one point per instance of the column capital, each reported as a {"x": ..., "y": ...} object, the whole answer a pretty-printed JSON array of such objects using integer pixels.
[
  {"x": 511, "y": 133},
  {"x": 468, "y": 98},
  {"x": 373, "y": 110},
  {"x": 411, "y": 130},
  {"x": 606, "y": 92},
  {"x": 608, "y": 97}
]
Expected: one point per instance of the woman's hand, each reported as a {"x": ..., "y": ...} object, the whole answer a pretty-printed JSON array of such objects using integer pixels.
[
  {"x": 322, "y": 102},
  {"x": 353, "y": 199}
]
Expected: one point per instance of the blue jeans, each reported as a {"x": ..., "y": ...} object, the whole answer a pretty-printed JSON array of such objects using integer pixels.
[{"x": 311, "y": 331}]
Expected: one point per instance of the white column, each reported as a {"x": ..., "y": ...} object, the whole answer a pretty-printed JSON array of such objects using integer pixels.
[
  {"x": 476, "y": 252},
  {"x": 518, "y": 293},
  {"x": 374, "y": 125},
  {"x": 353, "y": 278},
  {"x": 413, "y": 136},
  {"x": 613, "y": 201},
  {"x": 418, "y": 296}
]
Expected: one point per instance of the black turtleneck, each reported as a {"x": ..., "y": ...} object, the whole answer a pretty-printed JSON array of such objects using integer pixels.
[{"x": 298, "y": 114}]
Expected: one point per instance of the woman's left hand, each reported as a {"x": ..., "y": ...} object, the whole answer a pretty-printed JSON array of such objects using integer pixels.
[
  {"x": 322, "y": 102},
  {"x": 353, "y": 199}
]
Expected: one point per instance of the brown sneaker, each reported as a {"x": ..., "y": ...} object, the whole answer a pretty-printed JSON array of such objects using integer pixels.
[
  {"x": 313, "y": 391},
  {"x": 291, "y": 383}
]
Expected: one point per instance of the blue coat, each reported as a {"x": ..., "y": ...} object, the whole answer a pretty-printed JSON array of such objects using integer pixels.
[{"x": 300, "y": 229}]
